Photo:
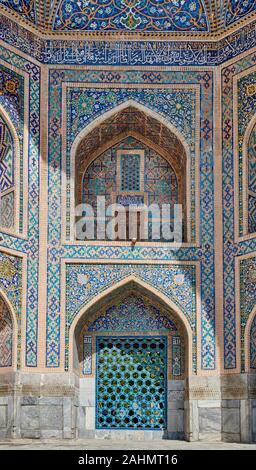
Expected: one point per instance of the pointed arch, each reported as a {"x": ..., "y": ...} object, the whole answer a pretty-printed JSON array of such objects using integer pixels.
[
  {"x": 14, "y": 338},
  {"x": 183, "y": 155},
  {"x": 146, "y": 288},
  {"x": 247, "y": 136},
  {"x": 127, "y": 104},
  {"x": 247, "y": 339},
  {"x": 15, "y": 189}
]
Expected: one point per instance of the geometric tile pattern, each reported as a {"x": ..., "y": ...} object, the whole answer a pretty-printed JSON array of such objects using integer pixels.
[
  {"x": 132, "y": 314},
  {"x": 6, "y": 157},
  {"x": 252, "y": 182},
  {"x": 130, "y": 172},
  {"x": 246, "y": 110},
  {"x": 7, "y": 210},
  {"x": 251, "y": 214},
  {"x": 253, "y": 345},
  {"x": 228, "y": 224},
  {"x": 11, "y": 96},
  {"x": 11, "y": 285},
  {"x": 100, "y": 179},
  {"x": 247, "y": 299},
  {"x": 177, "y": 105},
  {"x": 5, "y": 335},
  {"x": 139, "y": 15},
  {"x": 204, "y": 253},
  {"x": 131, "y": 382},
  {"x": 6, "y": 176},
  {"x": 12, "y": 99},
  {"x": 85, "y": 104},
  {"x": 83, "y": 282},
  {"x": 10, "y": 279},
  {"x": 252, "y": 161}
]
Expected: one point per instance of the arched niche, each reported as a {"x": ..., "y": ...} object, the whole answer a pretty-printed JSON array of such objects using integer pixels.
[
  {"x": 131, "y": 317},
  {"x": 9, "y": 174},
  {"x": 150, "y": 133},
  {"x": 249, "y": 179},
  {"x": 7, "y": 343},
  {"x": 253, "y": 345}
]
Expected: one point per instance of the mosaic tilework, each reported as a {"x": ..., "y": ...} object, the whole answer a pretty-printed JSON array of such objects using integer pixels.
[
  {"x": 100, "y": 179},
  {"x": 252, "y": 161},
  {"x": 83, "y": 282},
  {"x": 25, "y": 8},
  {"x": 139, "y": 15},
  {"x": 229, "y": 249},
  {"x": 158, "y": 181},
  {"x": 31, "y": 245},
  {"x": 6, "y": 157},
  {"x": 246, "y": 111},
  {"x": 252, "y": 182},
  {"x": 6, "y": 176},
  {"x": 161, "y": 183},
  {"x": 84, "y": 105},
  {"x": 12, "y": 100},
  {"x": 253, "y": 345},
  {"x": 11, "y": 96},
  {"x": 247, "y": 300},
  {"x": 237, "y": 9},
  {"x": 11, "y": 285},
  {"x": 10, "y": 279},
  {"x": 5, "y": 335},
  {"x": 87, "y": 355},
  {"x": 7, "y": 210},
  {"x": 205, "y": 253},
  {"x": 142, "y": 53},
  {"x": 131, "y": 395},
  {"x": 132, "y": 314}
]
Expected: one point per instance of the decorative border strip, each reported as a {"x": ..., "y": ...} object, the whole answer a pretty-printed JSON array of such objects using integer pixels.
[{"x": 103, "y": 51}]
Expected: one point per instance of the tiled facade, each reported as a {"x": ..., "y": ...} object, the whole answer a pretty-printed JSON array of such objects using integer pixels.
[{"x": 138, "y": 121}]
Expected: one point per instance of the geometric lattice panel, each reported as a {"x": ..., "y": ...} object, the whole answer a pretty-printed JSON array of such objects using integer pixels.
[
  {"x": 131, "y": 382},
  {"x": 130, "y": 172}
]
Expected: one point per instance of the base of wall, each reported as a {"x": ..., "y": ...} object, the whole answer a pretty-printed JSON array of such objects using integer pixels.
[{"x": 58, "y": 406}]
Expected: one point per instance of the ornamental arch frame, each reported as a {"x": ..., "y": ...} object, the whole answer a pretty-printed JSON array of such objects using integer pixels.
[
  {"x": 147, "y": 288},
  {"x": 13, "y": 367},
  {"x": 93, "y": 125}
]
